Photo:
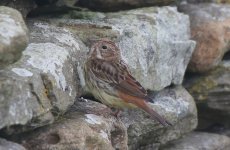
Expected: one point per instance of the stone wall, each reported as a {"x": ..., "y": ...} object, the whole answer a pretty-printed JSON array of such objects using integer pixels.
[{"x": 43, "y": 101}]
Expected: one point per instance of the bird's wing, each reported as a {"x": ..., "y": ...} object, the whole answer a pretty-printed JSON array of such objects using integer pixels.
[{"x": 117, "y": 75}]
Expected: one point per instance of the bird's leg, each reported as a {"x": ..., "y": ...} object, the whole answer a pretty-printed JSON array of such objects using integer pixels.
[
  {"x": 105, "y": 111},
  {"x": 110, "y": 111},
  {"x": 116, "y": 112}
]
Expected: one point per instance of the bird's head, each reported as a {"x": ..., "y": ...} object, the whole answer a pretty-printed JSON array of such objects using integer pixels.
[{"x": 104, "y": 49}]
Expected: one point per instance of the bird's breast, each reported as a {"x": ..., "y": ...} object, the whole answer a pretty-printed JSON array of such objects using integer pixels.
[{"x": 104, "y": 92}]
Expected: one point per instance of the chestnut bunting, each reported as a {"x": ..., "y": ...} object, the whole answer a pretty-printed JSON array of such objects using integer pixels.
[{"x": 109, "y": 80}]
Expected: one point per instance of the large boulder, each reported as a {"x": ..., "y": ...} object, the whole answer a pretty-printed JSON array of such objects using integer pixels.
[
  {"x": 13, "y": 36},
  {"x": 43, "y": 83}
]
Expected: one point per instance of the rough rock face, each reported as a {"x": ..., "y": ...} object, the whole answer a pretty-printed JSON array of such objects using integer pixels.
[
  {"x": 13, "y": 35},
  {"x": 83, "y": 127},
  {"x": 42, "y": 84},
  {"x": 40, "y": 87},
  {"x": 154, "y": 42},
  {"x": 105, "y": 132},
  {"x": 211, "y": 92},
  {"x": 46, "y": 83},
  {"x": 212, "y": 88},
  {"x": 7, "y": 145},
  {"x": 178, "y": 107},
  {"x": 199, "y": 141},
  {"x": 210, "y": 25},
  {"x": 114, "y": 5}
]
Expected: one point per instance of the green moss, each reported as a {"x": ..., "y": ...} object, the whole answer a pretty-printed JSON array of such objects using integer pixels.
[{"x": 201, "y": 88}]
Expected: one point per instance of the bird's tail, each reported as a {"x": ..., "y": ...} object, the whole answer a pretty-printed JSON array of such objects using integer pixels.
[
  {"x": 154, "y": 115},
  {"x": 143, "y": 104}
]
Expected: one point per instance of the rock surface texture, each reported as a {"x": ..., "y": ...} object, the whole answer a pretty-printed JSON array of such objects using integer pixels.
[
  {"x": 154, "y": 42},
  {"x": 199, "y": 141},
  {"x": 211, "y": 92},
  {"x": 7, "y": 145},
  {"x": 212, "y": 88},
  {"x": 42, "y": 84},
  {"x": 178, "y": 107},
  {"x": 210, "y": 25},
  {"x": 13, "y": 35},
  {"x": 91, "y": 123},
  {"x": 83, "y": 127},
  {"x": 40, "y": 87}
]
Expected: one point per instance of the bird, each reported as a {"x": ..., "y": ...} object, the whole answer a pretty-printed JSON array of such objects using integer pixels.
[{"x": 109, "y": 80}]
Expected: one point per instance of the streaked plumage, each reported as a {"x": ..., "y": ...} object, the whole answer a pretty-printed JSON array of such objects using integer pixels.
[{"x": 108, "y": 79}]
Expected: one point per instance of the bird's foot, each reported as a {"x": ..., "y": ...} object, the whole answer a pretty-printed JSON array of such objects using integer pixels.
[{"x": 116, "y": 112}]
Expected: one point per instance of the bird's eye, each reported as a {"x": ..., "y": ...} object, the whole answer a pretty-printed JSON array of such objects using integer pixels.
[{"x": 104, "y": 47}]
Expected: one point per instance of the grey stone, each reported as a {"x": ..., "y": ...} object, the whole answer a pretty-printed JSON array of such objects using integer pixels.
[
  {"x": 178, "y": 107},
  {"x": 155, "y": 42},
  {"x": 212, "y": 88},
  {"x": 199, "y": 141},
  {"x": 13, "y": 35},
  {"x": 211, "y": 93},
  {"x": 48, "y": 73},
  {"x": 7, "y": 145},
  {"x": 43, "y": 83},
  {"x": 85, "y": 126},
  {"x": 90, "y": 124}
]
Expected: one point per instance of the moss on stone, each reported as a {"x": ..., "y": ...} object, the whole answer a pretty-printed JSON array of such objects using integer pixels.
[{"x": 202, "y": 87}]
